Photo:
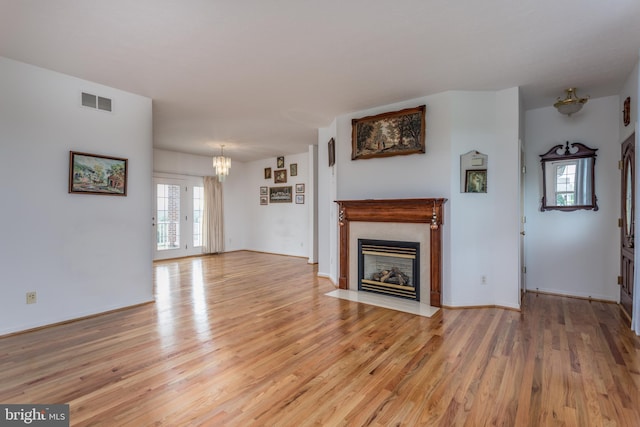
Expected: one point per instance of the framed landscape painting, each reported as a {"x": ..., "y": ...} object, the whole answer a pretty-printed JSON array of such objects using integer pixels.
[
  {"x": 389, "y": 134},
  {"x": 96, "y": 174}
]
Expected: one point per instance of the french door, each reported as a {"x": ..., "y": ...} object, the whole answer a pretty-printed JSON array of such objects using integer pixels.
[{"x": 177, "y": 216}]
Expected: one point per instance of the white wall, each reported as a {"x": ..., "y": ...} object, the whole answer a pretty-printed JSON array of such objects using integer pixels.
[
  {"x": 281, "y": 228},
  {"x": 312, "y": 200},
  {"x": 234, "y": 190},
  {"x": 82, "y": 254},
  {"x": 485, "y": 228},
  {"x": 327, "y": 209},
  {"x": 630, "y": 89},
  {"x": 456, "y": 122},
  {"x": 575, "y": 253}
]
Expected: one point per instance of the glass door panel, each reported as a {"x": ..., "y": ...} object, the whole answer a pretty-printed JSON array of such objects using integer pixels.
[
  {"x": 168, "y": 216},
  {"x": 177, "y": 216}
]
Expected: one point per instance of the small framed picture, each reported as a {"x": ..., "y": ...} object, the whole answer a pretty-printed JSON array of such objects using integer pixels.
[
  {"x": 280, "y": 176},
  {"x": 280, "y": 162},
  {"x": 264, "y": 200},
  {"x": 280, "y": 194},
  {"x": 476, "y": 181},
  {"x": 299, "y": 188},
  {"x": 332, "y": 152},
  {"x": 293, "y": 169},
  {"x": 264, "y": 191},
  {"x": 300, "y": 199},
  {"x": 267, "y": 173},
  {"x": 96, "y": 174}
]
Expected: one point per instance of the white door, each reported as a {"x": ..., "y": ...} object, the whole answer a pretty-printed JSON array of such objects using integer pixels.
[{"x": 176, "y": 217}]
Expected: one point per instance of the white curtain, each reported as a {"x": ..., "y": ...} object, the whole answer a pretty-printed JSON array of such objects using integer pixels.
[
  {"x": 583, "y": 182},
  {"x": 213, "y": 219}
]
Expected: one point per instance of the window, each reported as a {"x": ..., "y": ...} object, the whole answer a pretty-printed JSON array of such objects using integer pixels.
[
  {"x": 566, "y": 184},
  {"x": 198, "y": 201},
  {"x": 168, "y": 214}
]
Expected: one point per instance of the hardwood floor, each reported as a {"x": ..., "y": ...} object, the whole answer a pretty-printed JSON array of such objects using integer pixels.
[{"x": 250, "y": 339}]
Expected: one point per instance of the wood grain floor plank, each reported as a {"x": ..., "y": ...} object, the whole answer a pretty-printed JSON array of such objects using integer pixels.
[{"x": 245, "y": 339}]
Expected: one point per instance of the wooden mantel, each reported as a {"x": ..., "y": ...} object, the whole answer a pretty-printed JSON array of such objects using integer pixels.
[{"x": 394, "y": 210}]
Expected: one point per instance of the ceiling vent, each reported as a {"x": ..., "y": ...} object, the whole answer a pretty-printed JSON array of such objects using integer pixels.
[{"x": 94, "y": 101}]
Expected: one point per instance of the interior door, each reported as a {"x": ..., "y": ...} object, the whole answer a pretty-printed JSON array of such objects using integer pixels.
[{"x": 627, "y": 229}]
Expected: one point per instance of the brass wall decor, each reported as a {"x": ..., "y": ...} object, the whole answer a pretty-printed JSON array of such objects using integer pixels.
[{"x": 626, "y": 111}]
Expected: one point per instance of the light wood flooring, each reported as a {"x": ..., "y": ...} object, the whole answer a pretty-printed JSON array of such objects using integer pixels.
[{"x": 245, "y": 339}]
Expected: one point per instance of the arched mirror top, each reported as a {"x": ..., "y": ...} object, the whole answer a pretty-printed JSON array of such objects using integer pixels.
[{"x": 568, "y": 178}]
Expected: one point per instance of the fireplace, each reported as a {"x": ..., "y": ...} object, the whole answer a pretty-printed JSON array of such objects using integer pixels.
[
  {"x": 393, "y": 219},
  {"x": 389, "y": 267}
]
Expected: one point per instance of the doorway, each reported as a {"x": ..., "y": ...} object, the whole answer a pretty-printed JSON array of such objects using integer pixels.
[{"x": 178, "y": 203}]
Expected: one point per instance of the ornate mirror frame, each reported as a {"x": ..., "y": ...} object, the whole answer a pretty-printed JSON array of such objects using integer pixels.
[{"x": 584, "y": 159}]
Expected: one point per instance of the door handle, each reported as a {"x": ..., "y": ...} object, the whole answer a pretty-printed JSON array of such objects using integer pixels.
[{"x": 522, "y": 232}]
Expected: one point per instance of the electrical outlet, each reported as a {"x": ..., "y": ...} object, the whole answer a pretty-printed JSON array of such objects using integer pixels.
[{"x": 31, "y": 297}]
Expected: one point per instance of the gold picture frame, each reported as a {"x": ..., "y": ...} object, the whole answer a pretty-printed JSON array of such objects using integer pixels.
[{"x": 389, "y": 134}]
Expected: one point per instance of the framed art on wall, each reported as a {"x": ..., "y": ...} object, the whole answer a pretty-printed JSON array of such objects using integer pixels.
[
  {"x": 267, "y": 173},
  {"x": 389, "y": 134},
  {"x": 280, "y": 194},
  {"x": 280, "y": 176},
  {"x": 332, "y": 152},
  {"x": 476, "y": 181},
  {"x": 97, "y": 174}
]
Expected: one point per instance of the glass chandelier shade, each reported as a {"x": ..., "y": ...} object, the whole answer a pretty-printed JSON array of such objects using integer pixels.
[
  {"x": 571, "y": 103},
  {"x": 222, "y": 165}
]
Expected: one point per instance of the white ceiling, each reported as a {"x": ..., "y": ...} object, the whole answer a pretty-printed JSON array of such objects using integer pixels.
[{"x": 260, "y": 76}]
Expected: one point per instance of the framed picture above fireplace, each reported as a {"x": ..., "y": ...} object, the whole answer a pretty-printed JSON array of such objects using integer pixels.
[{"x": 389, "y": 134}]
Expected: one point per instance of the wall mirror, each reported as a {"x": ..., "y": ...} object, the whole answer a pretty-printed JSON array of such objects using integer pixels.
[{"x": 568, "y": 178}]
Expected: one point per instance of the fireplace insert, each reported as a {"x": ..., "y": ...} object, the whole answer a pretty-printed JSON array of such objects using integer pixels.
[{"x": 389, "y": 267}]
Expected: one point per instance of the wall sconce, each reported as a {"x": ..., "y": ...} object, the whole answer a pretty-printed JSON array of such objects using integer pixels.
[{"x": 571, "y": 103}]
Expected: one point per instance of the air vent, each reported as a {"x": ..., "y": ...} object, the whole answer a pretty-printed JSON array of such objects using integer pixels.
[
  {"x": 93, "y": 101},
  {"x": 89, "y": 100},
  {"x": 104, "y": 104}
]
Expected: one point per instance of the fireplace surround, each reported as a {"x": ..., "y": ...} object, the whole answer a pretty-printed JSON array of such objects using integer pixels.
[{"x": 380, "y": 214}]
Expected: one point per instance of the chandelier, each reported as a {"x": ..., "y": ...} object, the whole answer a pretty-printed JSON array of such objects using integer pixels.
[
  {"x": 222, "y": 165},
  {"x": 571, "y": 103}
]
